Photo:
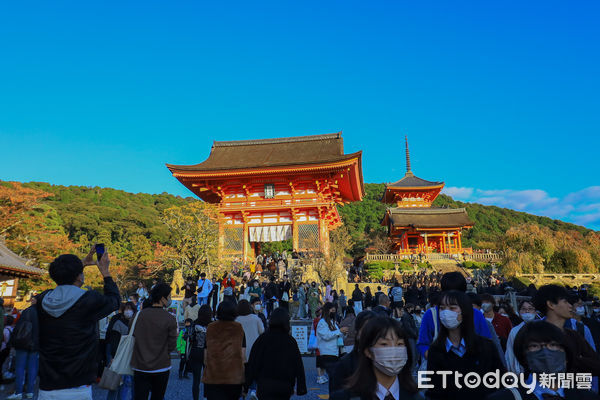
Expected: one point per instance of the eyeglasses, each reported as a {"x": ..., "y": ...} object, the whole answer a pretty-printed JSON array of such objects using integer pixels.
[{"x": 539, "y": 346}]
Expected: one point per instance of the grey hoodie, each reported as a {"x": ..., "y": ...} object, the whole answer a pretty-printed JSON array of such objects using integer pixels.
[{"x": 59, "y": 300}]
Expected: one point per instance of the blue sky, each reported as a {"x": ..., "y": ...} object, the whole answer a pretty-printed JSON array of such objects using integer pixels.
[{"x": 499, "y": 99}]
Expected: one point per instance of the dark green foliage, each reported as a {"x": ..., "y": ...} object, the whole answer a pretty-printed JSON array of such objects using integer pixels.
[
  {"x": 273, "y": 247},
  {"x": 109, "y": 214},
  {"x": 475, "y": 265}
]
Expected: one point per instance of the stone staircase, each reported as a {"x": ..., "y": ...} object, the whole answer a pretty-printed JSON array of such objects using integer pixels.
[{"x": 448, "y": 266}]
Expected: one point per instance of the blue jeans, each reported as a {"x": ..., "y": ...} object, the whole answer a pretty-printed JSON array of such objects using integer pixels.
[
  {"x": 26, "y": 361},
  {"x": 124, "y": 392},
  {"x": 202, "y": 300}
]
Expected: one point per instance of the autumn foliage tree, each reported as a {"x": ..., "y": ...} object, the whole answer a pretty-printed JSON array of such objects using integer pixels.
[
  {"x": 331, "y": 267},
  {"x": 536, "y": 249},
  {"x": 195, "y": 230}
]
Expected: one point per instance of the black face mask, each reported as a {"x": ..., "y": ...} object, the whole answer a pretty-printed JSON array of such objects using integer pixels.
[
  {"x": 332, "y": 314},
  {"x": 546, "y": 360}
]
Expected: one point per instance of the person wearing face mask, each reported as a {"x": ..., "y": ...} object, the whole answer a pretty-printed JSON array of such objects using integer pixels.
[
  {"x": 155, "y": 335},
  {"x": 118, "y": 326},
  {"x": 383, "y": 369},
  {"x": 528, "y": 314},
  {"x": 501, "y": 324},
  {"x": 68, "y": 323},
  {"x": 458, "y": 348},
  {"x": 588, "y": 327},
  {"x": 328, "y": 340},
  {"x": 430, "y": 323},
  {"x": 542, "y": 348},
  {"x": 257, "y": 307},
  {"x": 552, "y": 302}
]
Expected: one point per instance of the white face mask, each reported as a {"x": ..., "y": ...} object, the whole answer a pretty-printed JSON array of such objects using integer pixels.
[
  {"x": 528, "y": 317},
  {"x": 580, "y": 311},
  {"x": 257, "y": 308},
  {"x": 486, "y": 307},
  {"x": 128, "y": 314},
  {"x": 449, "y": 319},
  {"x": 390, "y": 360},
  {"x": 596, "y": 310}
]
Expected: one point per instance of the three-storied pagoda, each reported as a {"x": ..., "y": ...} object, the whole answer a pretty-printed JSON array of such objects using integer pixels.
[
  {"x": 414, "y": 226},
  {"x": 276, "y": 189}
]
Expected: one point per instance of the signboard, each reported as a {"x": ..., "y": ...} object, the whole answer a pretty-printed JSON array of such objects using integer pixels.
[
  {"x": 300, "y": 333},
  {"x": 8, "y": 289}
]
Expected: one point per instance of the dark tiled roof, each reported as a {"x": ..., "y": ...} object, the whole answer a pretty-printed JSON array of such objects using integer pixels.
[
  {"x": 411, "y": 181},
  {"x": 10, "y": 263},
  {"x": 300, "y": 150},
  {"x": 430, "y": 217}
]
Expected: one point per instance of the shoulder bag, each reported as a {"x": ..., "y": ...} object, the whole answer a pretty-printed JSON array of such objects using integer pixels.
[{"x": 121, "y": 364}]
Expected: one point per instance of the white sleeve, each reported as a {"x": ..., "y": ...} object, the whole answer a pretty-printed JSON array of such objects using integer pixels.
[{"x": 324, "y": 332}]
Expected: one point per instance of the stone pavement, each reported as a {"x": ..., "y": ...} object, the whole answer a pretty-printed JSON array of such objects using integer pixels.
[{"x": 182, "y": 389}]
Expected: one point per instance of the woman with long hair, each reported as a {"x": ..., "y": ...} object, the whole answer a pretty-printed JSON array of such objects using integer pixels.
[
  {"x": 198, "y": 346},
  {"x": 327, "y": 333},
  {"x": 384, "y": 362},
  {"x": 275, "y": 362},
  {"x": 459, "y": 349}
]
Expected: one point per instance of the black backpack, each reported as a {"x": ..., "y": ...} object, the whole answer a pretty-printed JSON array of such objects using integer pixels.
[{"x": 22, "y": 336}]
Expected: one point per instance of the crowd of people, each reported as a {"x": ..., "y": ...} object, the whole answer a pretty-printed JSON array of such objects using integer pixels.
[{"x": 416, "y": 339}]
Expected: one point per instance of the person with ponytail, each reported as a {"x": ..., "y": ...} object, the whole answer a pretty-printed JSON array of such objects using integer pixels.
[
  {"x": 384, "y": 364},
  {"x": 155, "y": 335}
]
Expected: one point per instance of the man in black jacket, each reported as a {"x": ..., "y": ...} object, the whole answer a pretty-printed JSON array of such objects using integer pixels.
[{"x": 68, "y": 323}]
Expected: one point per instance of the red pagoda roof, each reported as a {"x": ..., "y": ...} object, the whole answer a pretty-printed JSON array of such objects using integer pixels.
[{"x": 428, "y": 218}]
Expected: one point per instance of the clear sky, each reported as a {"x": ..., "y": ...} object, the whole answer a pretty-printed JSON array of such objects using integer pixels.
[{"x": 499, "y": 99}]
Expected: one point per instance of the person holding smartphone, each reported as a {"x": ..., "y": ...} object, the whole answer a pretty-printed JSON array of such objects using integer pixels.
[{"x": 68, "y": 320}]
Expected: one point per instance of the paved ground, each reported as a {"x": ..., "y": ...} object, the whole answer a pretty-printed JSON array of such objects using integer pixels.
[{"x": 182, "y": 389}]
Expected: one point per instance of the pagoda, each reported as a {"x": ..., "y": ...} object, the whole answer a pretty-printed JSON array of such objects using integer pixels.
[
  {"x": 414, "y": 226},
  {"x": 276, "y": 189}
]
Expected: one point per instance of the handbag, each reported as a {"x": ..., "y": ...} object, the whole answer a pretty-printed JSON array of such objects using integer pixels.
[
  {"x": 110, "y": 379},
  {"x": 121, "y": 363},
  {"x": 285, "y": 297},
  {"x": 312, "y": 341}
]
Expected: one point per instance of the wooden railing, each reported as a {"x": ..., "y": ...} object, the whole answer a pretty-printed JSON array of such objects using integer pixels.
[{"x": 396, "y": 258}]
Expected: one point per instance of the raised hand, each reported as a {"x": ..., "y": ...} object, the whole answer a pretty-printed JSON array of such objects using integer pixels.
[
  {"x": 103, "y": 265},
  {"x": 89, "y": 259}
]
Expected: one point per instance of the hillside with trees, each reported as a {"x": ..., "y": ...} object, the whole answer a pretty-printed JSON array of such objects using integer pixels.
[{"x": 153, "y": 235}]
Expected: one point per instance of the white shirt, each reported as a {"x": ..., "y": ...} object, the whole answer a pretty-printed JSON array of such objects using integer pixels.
[{"x": 394, "y": 390}]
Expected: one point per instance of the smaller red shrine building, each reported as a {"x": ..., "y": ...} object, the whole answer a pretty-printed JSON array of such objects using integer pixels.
[
  {"x": 414, "y": 226},
  {"x": 276, "y": 189}
]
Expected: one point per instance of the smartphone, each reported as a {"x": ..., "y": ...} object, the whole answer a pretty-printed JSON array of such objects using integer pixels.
[{"x": 99, "y": 250}]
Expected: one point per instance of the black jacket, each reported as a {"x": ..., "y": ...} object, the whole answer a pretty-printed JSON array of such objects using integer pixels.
[
  {"x": 485, "y": 359},
  {"x": 30, "y": 315},
  {"x": 343, "y": 369},
  {"x": 275, "y": 364},
  {"x": 69, "y": 342}
]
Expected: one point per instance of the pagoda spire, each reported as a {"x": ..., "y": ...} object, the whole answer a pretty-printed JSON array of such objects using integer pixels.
[{"x": 408, "y": 171}]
